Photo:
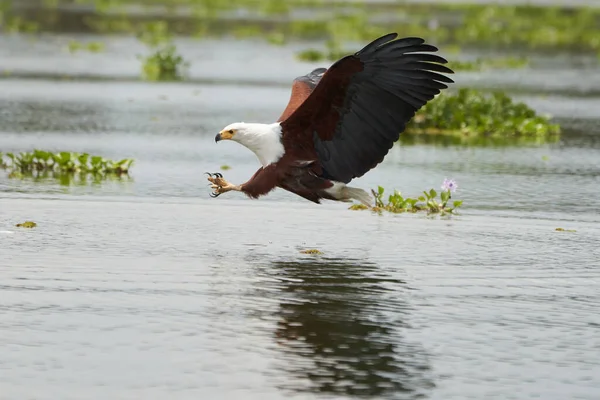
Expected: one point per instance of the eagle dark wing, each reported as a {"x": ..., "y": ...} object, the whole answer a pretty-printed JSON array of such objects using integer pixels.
[
  {"x": 362, "y": 104},
  {"x": 302, "y": 87}
]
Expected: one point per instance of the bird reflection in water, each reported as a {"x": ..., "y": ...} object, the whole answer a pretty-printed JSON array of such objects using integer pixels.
[{"x": 339, "y": 328}]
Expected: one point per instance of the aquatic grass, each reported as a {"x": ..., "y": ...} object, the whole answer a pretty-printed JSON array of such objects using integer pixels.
[
  {"x": 428, "y": 202},
  {"x": 472, "y": 113},
  {"x": 62, "y": 163}
]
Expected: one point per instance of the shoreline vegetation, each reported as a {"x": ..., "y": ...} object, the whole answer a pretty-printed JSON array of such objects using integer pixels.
[
  {"x": 477, "y": 25},
  {"x": 466, "y": 116}
]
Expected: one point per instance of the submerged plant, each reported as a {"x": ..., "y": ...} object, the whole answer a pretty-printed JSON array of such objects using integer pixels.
[
  {"x": 429, "y": 202},
  {"x": 473, "y": 113}
]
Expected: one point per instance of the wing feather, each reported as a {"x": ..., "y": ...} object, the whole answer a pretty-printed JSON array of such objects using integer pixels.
[
  {"x": 361, "y": 104},
  {"x": 302, "y": 87}
]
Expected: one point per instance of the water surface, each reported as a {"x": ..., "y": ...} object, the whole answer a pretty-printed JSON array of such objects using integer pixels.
[{"x": 149, "y": 288}]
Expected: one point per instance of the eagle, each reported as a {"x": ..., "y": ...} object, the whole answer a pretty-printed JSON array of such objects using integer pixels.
[{"x": 339, "y": 122}]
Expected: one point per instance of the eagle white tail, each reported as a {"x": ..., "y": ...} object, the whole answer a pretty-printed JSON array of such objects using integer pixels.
[{"x": 341, "y": 192}]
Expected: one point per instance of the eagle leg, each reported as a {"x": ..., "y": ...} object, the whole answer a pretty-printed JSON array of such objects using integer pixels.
[{"x": 220, "y": 185}]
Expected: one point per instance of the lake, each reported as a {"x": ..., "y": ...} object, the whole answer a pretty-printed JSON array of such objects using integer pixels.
[{"x": 148, "y": 288}]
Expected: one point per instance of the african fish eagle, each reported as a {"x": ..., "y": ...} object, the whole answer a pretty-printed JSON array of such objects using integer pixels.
[{"x": 339, "y": 122}]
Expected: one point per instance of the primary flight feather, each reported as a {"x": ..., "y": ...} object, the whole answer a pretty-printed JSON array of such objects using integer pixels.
[{"x": 340, "y": 122}]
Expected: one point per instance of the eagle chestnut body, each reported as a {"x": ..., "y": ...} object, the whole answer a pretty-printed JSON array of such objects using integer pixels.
[{"x": 340, "y": 122}]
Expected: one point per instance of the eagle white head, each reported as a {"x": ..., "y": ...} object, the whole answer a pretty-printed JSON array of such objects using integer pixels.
[{"x": 263, "y": 139}]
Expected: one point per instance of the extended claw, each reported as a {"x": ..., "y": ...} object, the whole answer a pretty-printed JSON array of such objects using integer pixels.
[{"x": 217, "y": 184}]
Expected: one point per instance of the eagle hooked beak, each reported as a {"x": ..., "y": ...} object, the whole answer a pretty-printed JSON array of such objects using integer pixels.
[{"x": 224, "y": 135}]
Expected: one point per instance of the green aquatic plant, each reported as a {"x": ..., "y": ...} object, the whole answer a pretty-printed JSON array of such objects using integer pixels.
[
  {"x": 489, "y": 25},
  {"x": 163, "y": 63},
  {"x": 429, "y": 202},
  {"x": 62, "y": 163},
  {"x": 93, "y": 47},
  {"x": 26, "y": 224},
  {"x": 481, "y": 64},
  {"x": 472, "y": 113},
  {"x": 539, "y": 27}
]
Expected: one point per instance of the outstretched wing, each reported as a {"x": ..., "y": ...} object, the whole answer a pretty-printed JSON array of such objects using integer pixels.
[
  {"x": 302, "y": 87},
  {"x": 362, "y": 104}
]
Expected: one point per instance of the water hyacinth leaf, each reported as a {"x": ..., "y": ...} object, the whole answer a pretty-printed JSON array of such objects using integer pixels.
[
  {"x": 96, "y": 160},
  {"x": 400, "y": 204},
  {"x": 445, "y": 196},
  {"x": 64, "y": 165},
  {"x": 65, "y": 156},
  {"x": 83, "y": 159},
  {"x": 457, "y": 203}
]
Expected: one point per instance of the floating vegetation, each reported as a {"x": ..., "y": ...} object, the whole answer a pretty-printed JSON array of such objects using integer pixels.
[
  {"x": 313, "y": 55},
  {"x": 481, "y": 64},
  {"x": 163, "y": 63},
  {"x": 565, "y": 230},
  {"x": 93, "y": 47},
  {"x": 61, "y": 165},
  {"x": 538, "y": 27},
  {"x": 429, "y": 202},
  {"x": 489, "y": 25},
  {"x": 225, "y": 167},
  {"x": 472, "y": 114},
  {"x": 27, "y": 224},
  {"x": 311, "y": 251}
]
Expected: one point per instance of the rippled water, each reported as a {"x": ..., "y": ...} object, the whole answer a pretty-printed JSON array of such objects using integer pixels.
[{"x": 149, "y": 288}]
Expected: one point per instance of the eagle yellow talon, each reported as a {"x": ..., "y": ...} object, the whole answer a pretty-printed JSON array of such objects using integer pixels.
[{"x": 220, "y": 185}]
